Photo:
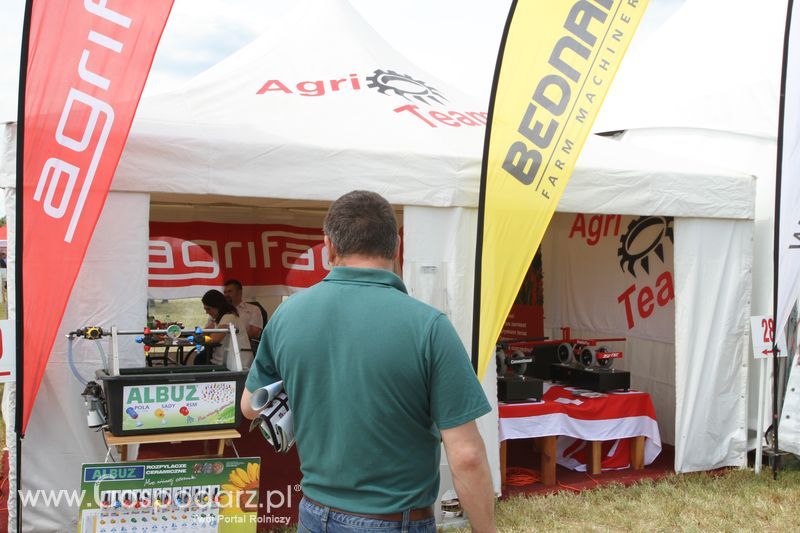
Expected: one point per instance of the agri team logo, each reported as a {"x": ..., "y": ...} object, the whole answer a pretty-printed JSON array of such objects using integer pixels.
[
  {"x": 384, "y": 81},
  {"x": 389, "y": 81},
  {"x": 421, "y": 102},
  {"x": 645, "y": 236}
]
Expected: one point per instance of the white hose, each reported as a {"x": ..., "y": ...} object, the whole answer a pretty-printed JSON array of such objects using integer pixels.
[{"x": 72, "y": 364}]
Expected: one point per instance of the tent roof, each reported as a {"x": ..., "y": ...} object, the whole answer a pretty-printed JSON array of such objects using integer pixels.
[
  {"x": 384, "y": 125},
  {"x": 338, "y": 109},
  {"x": 712, "y": 65}
]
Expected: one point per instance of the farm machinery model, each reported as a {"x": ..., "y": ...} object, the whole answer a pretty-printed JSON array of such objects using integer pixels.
[{"x": 585, "y": 363}]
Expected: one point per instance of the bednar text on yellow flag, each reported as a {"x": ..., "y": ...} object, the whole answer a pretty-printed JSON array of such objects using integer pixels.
[{"x": 557, "y": 61}]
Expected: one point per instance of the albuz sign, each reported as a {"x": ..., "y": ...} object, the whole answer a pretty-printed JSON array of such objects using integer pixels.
[{"x": 178, "y": 405}]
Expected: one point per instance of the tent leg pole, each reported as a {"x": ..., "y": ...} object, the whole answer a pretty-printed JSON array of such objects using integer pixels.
[{"x": 760, "y": 418}]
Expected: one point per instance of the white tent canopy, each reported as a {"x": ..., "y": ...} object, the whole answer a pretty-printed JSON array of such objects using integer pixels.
[
  {"x": 218, "y": 136},
  {"x": 714, "y": 65},
  {"x": 223, "y": 137},
  {"x": 706, "y": 86}
]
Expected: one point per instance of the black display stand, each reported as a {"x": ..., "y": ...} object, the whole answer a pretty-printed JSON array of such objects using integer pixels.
[
  {"x": 519, "y": 389},
  {"x": 596, "y": 379}
]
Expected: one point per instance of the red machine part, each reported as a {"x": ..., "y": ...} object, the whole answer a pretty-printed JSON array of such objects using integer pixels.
[{"x": 586, "y": 352}]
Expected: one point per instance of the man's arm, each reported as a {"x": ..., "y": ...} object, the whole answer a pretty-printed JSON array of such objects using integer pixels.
[
  {"x": 247, "y": 412},
  {"x": 262, "y": 372},
  {"x": 253, "y": 321},
  {"x": 471, "y": 476},
  {"x": 253, "y": 331}
]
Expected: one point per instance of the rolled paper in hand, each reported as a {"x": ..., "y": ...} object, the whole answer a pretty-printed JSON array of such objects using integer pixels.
[
  {"x": 263, "y": 396},
  {"x": 285, "y": 432}
]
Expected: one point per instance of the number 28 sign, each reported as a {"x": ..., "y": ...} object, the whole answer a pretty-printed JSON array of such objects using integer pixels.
[{"x": 762, "y": 329}]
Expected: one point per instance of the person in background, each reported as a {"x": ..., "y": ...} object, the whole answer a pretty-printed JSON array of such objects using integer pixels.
[
  {"x": 376, "y": 382},
  {"x": 221, "y": 314},
  {"x": 249, "y": 313}
]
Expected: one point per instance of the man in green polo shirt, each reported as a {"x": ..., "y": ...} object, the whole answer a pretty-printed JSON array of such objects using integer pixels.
[{"x": 376, "y": 380}]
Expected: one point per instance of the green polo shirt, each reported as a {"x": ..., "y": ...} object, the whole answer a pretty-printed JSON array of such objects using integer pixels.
[{"x": 371, "y": 373}]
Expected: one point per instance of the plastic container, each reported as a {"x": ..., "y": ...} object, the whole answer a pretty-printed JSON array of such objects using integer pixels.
[{"x": 150, "y": 400}]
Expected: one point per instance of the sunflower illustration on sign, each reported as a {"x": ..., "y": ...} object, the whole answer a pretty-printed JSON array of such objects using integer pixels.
[{"x": 242, "y": 487}]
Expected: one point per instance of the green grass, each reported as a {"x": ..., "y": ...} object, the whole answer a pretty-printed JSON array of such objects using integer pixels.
[{"x": 736, "y": 500}]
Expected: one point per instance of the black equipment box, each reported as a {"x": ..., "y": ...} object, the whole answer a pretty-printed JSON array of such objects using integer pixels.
[
  {"x": 519, "y": 389},
  {"x": 152, "y": 400},
  {"x": 596, "y": 379},
  {"x": 543, "y": 359}
]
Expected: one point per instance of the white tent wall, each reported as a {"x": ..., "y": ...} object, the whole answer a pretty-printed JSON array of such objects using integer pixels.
[
  {"x": 438, "y": 268},
  {"x": 698, "y": 89},
  {"x": 571, "y": 301},
  {"x": 110, "y": 290},
  {"x": 698, "y": 383},
  {"x": 744, "y": 153},
  {"x": 713, "y": 268},
  {"x": 9, "y": 405}
]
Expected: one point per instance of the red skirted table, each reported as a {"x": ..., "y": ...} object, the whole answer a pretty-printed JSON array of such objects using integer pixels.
[{"x": 595, "y": 431}]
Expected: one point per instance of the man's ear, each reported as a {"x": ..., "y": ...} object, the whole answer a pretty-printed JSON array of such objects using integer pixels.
[
  {"x": 331, "y": 249},
  {"x": 397, "y": 248}
]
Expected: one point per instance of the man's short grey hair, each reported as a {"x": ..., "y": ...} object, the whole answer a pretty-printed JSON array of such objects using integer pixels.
[{"x": 363, "y": 223}]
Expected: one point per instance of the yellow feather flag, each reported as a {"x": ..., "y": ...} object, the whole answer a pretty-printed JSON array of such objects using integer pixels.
[{"x": 556, "y": 63}]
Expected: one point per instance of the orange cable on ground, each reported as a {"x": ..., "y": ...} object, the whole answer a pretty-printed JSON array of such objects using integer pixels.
[
  {"x": 576, "y": 489},
  {"x": 569, "y": 487},
  {"x": 593, "y": 479},
  {"x": 519, "y": 477}
]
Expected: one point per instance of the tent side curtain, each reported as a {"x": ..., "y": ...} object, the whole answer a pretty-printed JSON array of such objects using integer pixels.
[
  {"x": 713, "y": 265},
  {"x": 110, "y": 290}
]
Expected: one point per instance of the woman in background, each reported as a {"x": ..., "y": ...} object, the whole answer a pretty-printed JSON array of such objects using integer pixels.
[{"x": 223, "y": 314}]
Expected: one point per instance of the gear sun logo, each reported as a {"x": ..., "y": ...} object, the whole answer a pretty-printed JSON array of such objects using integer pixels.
[
  {"x": 389, "y": 81},
  {"x": 645, "y": 235}
]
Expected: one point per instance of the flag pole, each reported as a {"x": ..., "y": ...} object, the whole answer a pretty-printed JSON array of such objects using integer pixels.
[
  {"x": 776, "y": 242},
  {"x": 18, "y": 250},
  {"x": 476, "y": 306}
]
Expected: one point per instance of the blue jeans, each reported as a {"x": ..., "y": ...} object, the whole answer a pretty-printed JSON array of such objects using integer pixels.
[{"x": 317, "y": 519}]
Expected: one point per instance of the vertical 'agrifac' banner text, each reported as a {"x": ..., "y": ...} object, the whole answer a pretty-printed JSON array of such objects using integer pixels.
[
  {"x": 87, "y": 64},
  {"x": 556, "y": 64}
]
